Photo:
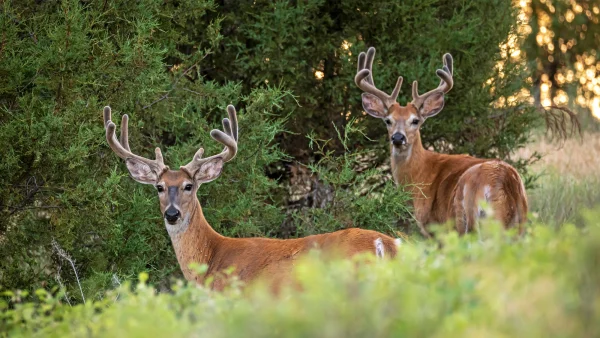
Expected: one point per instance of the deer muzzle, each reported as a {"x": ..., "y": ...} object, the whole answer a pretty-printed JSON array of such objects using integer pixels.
[
  {"x": 172, "y": 215},
  {"x": 398, "y": 139}
]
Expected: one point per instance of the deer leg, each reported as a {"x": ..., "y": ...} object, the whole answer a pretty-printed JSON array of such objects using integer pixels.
[{"x": 424, "y": 230}]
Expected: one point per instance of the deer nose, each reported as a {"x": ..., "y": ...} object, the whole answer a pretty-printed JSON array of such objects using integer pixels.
[
  {"x": 172, "y": 215},
  {"x": 398, "y": 139}
]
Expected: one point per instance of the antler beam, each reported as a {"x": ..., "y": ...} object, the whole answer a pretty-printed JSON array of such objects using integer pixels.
[
  {"x": 446, "y": 82},
  {"x": 228, "y": 138},
  {"x": 122, "y": 148},
  {"x": 364, "y": 79}
]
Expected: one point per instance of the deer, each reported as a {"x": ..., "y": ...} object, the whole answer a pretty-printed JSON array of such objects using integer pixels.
[
  {"x": 443, "y": 187},
  {"x": 195, "y": 241}
]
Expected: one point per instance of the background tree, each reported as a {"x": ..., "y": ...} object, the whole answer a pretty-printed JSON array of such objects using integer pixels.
[
  {"x": 311, "y": 47},
  {"x": 562, "y": 52},
  {"x": 174, "y": 65},
  {"x": 66, "y": 195}
]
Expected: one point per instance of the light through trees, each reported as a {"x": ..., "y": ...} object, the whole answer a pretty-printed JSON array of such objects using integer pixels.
[{"x": 560, "y": 47}]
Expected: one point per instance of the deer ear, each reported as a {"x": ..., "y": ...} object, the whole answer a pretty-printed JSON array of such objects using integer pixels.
[
  {"x": 433, "y": 105},
  {"x": 373, "y": 105},
  {"x": 141, "y": 172},
  {"x": 209, "y": 170}
]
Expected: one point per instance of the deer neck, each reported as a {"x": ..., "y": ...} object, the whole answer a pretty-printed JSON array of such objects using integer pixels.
[
  {"x": 407, "y": 166},
  {"x": 196, "y": 243}
]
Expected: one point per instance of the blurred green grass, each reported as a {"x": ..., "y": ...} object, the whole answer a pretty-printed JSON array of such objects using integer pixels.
[
  {"x": 489, "y": 284},
  {"x": 559, "y": 198},
  {"x": 493, "y": 285}
]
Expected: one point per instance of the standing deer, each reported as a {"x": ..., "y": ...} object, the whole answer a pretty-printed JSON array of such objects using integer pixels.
[
  {"x": 195, "y": 241},
  {"x": 444, "y": 187}
]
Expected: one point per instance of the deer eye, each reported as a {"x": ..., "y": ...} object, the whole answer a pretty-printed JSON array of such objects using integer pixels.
[
  {"x": 415, "y": 122},
  {"x": 160, "y": 188},
  {"x": 188, "y": 187},
  {"x": 388, "y": 122}
]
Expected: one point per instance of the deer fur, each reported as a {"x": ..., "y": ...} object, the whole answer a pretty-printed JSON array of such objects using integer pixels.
[
  {"x": 195, "y": 241},
  {"x": 263, "y": 258},
  {"x": 444, "y": 187}
]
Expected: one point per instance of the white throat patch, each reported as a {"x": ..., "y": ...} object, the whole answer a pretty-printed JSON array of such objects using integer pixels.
[
  {"x": 402, "y": 155},
  {"x": 179, "y": 227}
]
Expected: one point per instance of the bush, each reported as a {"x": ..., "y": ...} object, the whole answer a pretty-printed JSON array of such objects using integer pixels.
[
  {"x": 361, "y": 196},
  {"x": 65, "y": 186},
  {"x": 173, "y": 66},
  {"x": 290, "y": 42},
  {"x": 546, "y": 284},
  {"x": 70, "y": 216}
]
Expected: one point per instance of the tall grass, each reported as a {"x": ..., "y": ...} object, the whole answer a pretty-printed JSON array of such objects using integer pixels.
[
  {"x": 569, "y": 178},
  {"x": 543, "y": 285},
  {"x": 559, "y": 198}
]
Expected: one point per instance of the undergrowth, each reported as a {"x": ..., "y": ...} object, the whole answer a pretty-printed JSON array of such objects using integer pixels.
[
  {"x": 567, "y": 178},
  {"x": 544, "y": 284}
]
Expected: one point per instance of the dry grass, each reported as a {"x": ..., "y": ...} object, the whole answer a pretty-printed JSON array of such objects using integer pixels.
[
  {"x": 570, "y": 178},
  {"x": 578, "y": 157}
]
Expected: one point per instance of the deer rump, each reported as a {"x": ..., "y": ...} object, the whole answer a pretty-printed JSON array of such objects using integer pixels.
[{"x": 494, "y": 184}]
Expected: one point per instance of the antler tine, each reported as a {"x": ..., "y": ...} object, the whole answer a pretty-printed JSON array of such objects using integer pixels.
[
  {"x": 449, "y": 62},
  {"x": 227, "y": 138},
  {"x": 396, "y": 90},
  {"x": 446, "y": 82},
  {"x": 361, "y": 62},
  {"x": 369, "y": 64},
  {"x": 234, "y": 123},
  {"x": 122, "y": 148},
  {"x": 230, "y": 124},
  {"x": 364, "y": 79},
  {"x": 448, "y": 65},
  {"x": 124, "y": 138},
  {"x": 107, "y": 115},
  {"x": 227, "y": 126}
]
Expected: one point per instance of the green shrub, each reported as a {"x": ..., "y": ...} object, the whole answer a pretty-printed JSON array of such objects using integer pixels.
[
  {"x": 64, "y": 189},
  {"x": 546, "y": 284},
  {"x": 287, "y": 42},
  {"x": 361, "y": 197},
  {"x": 69, "y": 213}
]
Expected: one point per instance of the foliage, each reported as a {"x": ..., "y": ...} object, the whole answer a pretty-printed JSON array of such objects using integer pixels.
[
  {"x": 562, "y": 52},
  {"x": 363, "y": 197},
  {"x": 545, "y": 284},
  {"x": 292, "y": 42},
  {"x": 60, "y": 63},
  {"x": 69, "y": 214}
]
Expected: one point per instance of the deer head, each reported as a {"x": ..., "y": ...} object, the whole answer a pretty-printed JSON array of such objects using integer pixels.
[
  {"x": 176, "y": 188},
  {"x": 403, "y": 122}
]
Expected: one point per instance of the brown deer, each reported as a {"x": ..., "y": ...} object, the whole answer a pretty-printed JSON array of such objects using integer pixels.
[
  {"x": 444, "y": 187},
  {"x": 195, "y": 241}
]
